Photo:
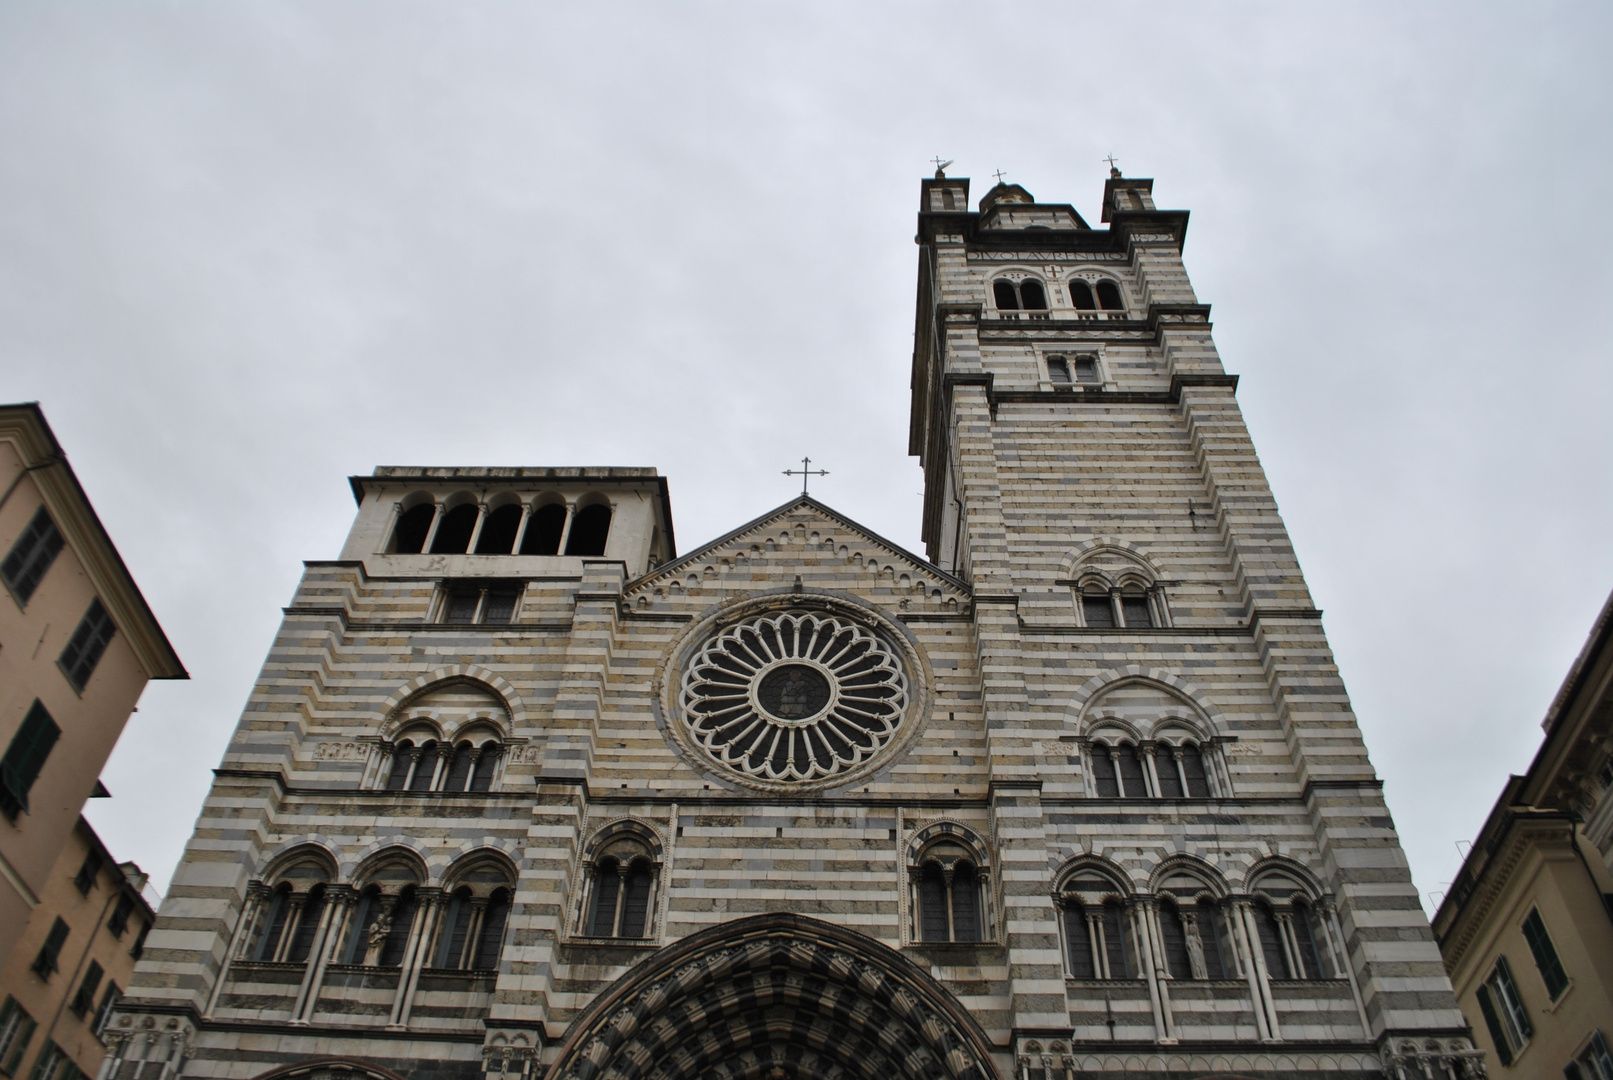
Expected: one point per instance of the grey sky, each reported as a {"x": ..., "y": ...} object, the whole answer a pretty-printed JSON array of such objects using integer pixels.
[{"x": 246, "y": 250}]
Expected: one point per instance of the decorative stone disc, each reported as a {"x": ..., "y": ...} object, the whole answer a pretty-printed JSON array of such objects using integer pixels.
[{"x": 795, "y": 697}]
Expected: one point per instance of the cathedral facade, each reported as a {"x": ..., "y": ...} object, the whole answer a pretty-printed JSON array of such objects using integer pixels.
[{"x": 521, "y": 792}]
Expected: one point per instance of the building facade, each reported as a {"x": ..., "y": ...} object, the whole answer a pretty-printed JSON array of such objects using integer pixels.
[
  {"x": 77, "y": 645},
  {"x": 1527, "y": 927},
  {"x": 1078, "y": 792},
  {"x": 68, "y": 969}
]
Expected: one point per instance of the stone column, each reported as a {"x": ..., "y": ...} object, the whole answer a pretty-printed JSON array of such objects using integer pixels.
[
  {"x": 520, "y": 530},
  {"x": 339, "y": 902},
  {"x": 1254, "y": 966},
  {"x": 240, "y": 941},
  {"x": 431, "y": 531},
  {"x": 476, "y": 529},
  {"x": 414, "y": 954}
]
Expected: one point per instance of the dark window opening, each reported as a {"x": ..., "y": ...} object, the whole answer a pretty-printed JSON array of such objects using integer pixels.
[
  {"x": 1005, "y": 296},
  {"x": 25, "y": 757},
  {"x": 1079, "y": 937},
  {"x": 413, "y": 526},
  {"x": 459, "y": 768},
  {"x": 965, "y": 903},
  {"x": 274, "y": 924},
  {"x": 1545, "y": 954},
  {"x": 1058, "y": 369},
  {"x": 500, "y": 606},
  {"x": 1214, "y": 944},
  {"x": 31, "y": 556},
  {"x": 1114, "y": 940},
  {"x": 481, "y": 776},
  {"x": 1310, "y": 957},
  {"x": 1136, "y": 611},
  {"x": 1109, "y": 296},
  {"x": 1086, "y": 369},
  {"x": 103, "y": 1012},
  {"x": 1081, "y": 296},
  {"x": 138, "y": 949},
  {"x": 1032, "y": 296},
  {"x": 451, "y": 953},
  {"x": 403, "y": 755},
  {"x": 636, "y": 900},
  {"x": 88, "y": 643},
  {"x": 1170, "y": 783},
  {"x": 46, "y": 963},
  {"x": 1271, "y": 947},
  {"x": 367, "y": 914},
  {"x": 119, "y": 922},
  {"x": 84, "y": 1000},
  {"x": 1131, "y": 772},
  {"x": 1198, "y": 785},
  {"x": 84, "y": 880},
  {"x": 313, "y": 907},
  {"x": 607, "y": 884},
  {"x": 498, "y": 531},
  {"x": 589, "y": 531},
  {"x": 462, "y": 606},
  {"x": 425, "y": 770},
  {"x": 16, "y": 1032},
  {"x": 453, "y": 532},
  {"x": 491, "y": 939},
  {"x": 1103, "y": 768},
  {"x": 544, "y": 530},
  {"x": 933, "y": 904},
  {"x": 1097, "y": 609}
]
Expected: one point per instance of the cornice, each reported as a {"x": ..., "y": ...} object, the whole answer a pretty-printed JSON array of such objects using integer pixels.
[{"x": 25, "y": 428}]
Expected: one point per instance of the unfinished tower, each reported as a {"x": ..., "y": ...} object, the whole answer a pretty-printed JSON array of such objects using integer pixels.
[{"x": 1079, "y": 792}]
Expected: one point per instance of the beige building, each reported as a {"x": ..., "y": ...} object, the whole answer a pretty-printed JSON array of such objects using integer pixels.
[
  {"x": 1527, "y": 927},
  {"x": 77, "y": 646},
  {"x": 70, "y": 965},
  {"x": 521, "y": 790}
]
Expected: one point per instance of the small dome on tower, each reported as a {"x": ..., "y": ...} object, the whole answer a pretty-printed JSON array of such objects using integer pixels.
[{"x": 1005, "y": 193}]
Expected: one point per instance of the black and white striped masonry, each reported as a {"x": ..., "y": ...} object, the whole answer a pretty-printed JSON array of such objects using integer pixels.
[{"x": 1078, "y": 792}]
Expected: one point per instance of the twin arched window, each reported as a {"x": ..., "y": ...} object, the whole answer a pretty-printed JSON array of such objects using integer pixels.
[
  {"x": 1132, "y": 607},
  {"x": 1107, "y": 296},
  {"x": 949, "y": 895},
  {"x": 472, "y": 929},
  {"x": 510, "y": 528},
  {"x": 1162, "y": 770},
  {"x": 1083, "y": 369},
  {"x": 1025, "y": 295},
  {"x": 621, "y": 890},
  {"x": 431, "y": 765}
]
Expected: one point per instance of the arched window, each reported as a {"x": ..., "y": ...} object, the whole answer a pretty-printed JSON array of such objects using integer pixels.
[
  {"x": 458, "y": 775},
  {"x": 589, "y": 531},
  {"x": 288, "y": 920},
  {"x": 1192, "y": 759},
  {"x": 1025, "y": 295},
  {"x": 1081, "y": 296},
  {"x": 1086, "y": 369},
  {"x": 404, "y": 756},
  {"x": 1165, "y": 767},
  {"x": 397, "y": 936},
  {"x": 409, "y": 538},
  {"x": 1031, "y": 296},
  {"x": 1104, "y": 774},
  {"x": 1006, "y": 296},
  {"x": 313, "y": 907},
  {"x": 453, "y": 532},
  {"x": 1271, "y": 945},
  {"x": 621, "y": 901},
  {"x": 498, "y": 531},
  {"x": 1109, "y": 296},
  {"x": 491, "y": 939},
  {"x": 1191, "y": 927},
  {"x": 1097, "y": 610},
  {"x": 486, "y": 760},
  {"x": 1181, "y": 771},
  {"x": 1096, "y": 926},
  {"x": 378, "y": 933},
  {"x": 1305, "y": 935},
  {"x": 274, "y": 923},
  {"x": 1135, "y": 609},
  {"x": 471, "y": 933},
  {"x": 468, "y": 765},
  {"x": 1214, "y": 940},
  {"x": 1115, "y": 940},
  {"x": 1058, "y": 369},
  {"x": 1078, "y": 940},
  {"x": 543, "y": 532},
  {"x": 949, "y": 900}
]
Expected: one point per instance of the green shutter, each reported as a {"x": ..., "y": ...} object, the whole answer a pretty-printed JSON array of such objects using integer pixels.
[
  {"x": 1551, "y": 968},
  {"x": 25, "y": 757},
  {"x": 1498, "y": 1035}
]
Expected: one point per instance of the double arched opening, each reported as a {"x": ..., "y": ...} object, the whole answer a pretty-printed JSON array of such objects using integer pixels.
[
  {"x": 620, "y": 879},
  {"x": 947, "y": 878}
]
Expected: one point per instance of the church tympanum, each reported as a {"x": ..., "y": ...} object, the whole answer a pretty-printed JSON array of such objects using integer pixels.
[{"x": 777, "y": 995}]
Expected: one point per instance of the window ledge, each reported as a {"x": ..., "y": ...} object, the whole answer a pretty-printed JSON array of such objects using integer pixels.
[
  {"x": 1569, "y": 989},
  {"x": 617, "y": 942}
]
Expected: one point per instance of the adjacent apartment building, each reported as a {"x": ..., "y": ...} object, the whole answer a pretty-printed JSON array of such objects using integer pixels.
[
  {"x": 78, "y": 644},
  {"x": 1527, "y": 928}
]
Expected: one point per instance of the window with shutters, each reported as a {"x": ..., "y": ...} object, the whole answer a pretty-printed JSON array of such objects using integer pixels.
[
  {"x": 16, "y": 1031},
  {"x": 49, "y": 959},
  {"x": 103, "y": 1011},
  {"x": 948, "y": 892},
  {"x": 1504, "y": 1012},
  {"x": 31, "y": 555},
  {"x": 84, "y": 648},
  {"x": 24, "y": 759},
  {"x": 1545, "y": 954},
  {"x": 118, "y": 923},
  {"x": 88, "y": 872},
  {"x": 1593, "y": 1062},
  {"x": 620, "y": 893},
  {"x": 1096, "y": 921},
  {"x": 84, "y": 1000}
]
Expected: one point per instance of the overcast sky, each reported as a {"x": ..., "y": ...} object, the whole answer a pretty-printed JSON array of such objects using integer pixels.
[{"x": 247, "y": 250}]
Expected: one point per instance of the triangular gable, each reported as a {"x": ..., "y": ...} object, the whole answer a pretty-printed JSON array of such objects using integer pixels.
[{"x": 806, "y": 538}]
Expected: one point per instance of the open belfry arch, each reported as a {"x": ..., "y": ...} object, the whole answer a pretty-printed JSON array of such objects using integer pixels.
[{"x": 524, "y": 792}]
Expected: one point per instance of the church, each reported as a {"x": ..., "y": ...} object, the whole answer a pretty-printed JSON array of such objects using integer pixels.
[{"x": 522, "y": 792}]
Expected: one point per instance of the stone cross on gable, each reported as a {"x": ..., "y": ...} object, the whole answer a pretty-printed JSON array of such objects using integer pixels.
[{"x": 804, "y": 472}]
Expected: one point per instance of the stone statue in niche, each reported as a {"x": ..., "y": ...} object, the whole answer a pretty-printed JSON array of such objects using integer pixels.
[{"x": 377, "y": 935}]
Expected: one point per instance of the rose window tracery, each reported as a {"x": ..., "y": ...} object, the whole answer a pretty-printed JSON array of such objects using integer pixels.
[{"x": 795, "y": 697}]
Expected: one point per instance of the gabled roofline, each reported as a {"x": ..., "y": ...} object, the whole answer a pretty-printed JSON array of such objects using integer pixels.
[
  {"x": 783, "y": 508},
  {"x": 24, "y": 426}
]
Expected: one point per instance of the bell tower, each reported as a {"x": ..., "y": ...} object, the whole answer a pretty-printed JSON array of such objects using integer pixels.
[{"x": 1088, "y": 473}]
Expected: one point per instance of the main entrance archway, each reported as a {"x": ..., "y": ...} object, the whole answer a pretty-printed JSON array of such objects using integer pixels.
[{"x": 775, "y": 997}]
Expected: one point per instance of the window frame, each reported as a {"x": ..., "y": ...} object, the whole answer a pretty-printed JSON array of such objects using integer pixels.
[
  {"x": 624, "y": 855},
  {"x": 24, "y": 761},
  {"x": 486, "y": 589},
  {"x": 1548, "y": 962},
  {"x": 17, "y": 1029},
  {"x": 47, "y": 962},
  {"x": 18, "y": 564},
  {"x": 88, "y": 645}
]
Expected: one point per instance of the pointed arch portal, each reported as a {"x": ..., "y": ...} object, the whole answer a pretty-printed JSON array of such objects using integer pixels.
[{"x": 775, "y": 997}]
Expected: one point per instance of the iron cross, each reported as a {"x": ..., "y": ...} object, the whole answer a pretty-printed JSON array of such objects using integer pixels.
[
  {"x": 1000, "y": 175},
  {"x": 1112, "y": 170},
  {"x": 805, "y": 471}
]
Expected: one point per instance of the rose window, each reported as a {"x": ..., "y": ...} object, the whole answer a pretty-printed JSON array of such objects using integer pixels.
[{"x": 793, "y": 697}]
